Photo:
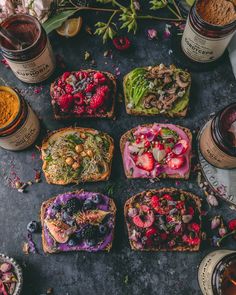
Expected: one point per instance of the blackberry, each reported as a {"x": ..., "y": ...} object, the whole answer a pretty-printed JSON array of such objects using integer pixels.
[
  {"x": 102, "y": 229},
  {"x": 73, "y": 206},
  {"x": 89, "y": 232},
  {"x": 96, "y": 199},
  {"x": 33, "y": 226}
]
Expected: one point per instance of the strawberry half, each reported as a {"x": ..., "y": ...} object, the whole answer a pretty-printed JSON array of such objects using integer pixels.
[
  {"x": 145, "y": 161},
  {"x": 176, "y": 163}
]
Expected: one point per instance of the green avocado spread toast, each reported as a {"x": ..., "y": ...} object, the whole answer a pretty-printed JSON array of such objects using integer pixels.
[
  {"x": 74, "y": 155},
  {"x": 157, "y": 90}
]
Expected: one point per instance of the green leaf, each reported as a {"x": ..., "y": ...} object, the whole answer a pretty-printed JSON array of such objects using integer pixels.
[
  {"x": 57, "y": 20},
  {"x": 74, "y": 139},
  {"x": 48, "y": 158},
  {"x": 190, "y": 2},
  {"x": 158, "y": 4}
]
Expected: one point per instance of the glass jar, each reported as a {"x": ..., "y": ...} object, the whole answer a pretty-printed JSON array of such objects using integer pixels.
[
  {"x": 35, "y": 62},
  {"x": 217, "y": 273},
  {"x": 22, "y": 130},
  {"x": 217, "y": 144},
  {"x": 202, "y": 41}
]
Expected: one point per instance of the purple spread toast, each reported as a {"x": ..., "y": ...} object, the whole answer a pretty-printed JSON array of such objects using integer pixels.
[
  {"x": 157, "y": 151},
  {"x": 167, "y": 219},
  {"x": 78, "y": 221}
]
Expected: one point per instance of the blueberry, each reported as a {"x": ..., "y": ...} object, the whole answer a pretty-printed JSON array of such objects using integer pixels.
[
  {"x": 96, "y": 199},
  {"x": 88, "y": 205},
  {"x": 72, "y": 242},
  {"x": 32, "y": 227},
  {"x": 103, "y": 229},
  {"x": 91, "y": 242}
]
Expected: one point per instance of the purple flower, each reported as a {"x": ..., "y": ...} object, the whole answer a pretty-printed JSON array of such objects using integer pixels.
[
  {"x": 152, "y": 34},
  {"x": 166, "y": 33}
]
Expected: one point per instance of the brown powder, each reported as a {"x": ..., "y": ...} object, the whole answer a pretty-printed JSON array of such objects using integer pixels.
[{"x": 217, "y": 12}]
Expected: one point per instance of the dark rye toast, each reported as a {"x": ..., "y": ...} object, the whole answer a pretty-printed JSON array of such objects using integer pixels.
[
  {"x": 85, "y": 147},
  {"x": 167, "y": 232},
  {"x": 151, "y": 103},
  {"x": 77, "y": 239},
  {"x": 108, "y": 112},
  {"x": 129, "y": 134}
]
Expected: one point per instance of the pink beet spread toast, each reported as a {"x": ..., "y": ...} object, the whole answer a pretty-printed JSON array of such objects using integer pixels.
[
  {"x": 157, "y": 150},
  {"x": 78, "y": 221},
  {"x": 164, "y": 219},
  {"x": 85, "y": 93}
]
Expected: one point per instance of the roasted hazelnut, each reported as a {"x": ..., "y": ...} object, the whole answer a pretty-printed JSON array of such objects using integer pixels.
[
  {"x": 75, "y": 165},
  {"x": 79, "y": 148},
  {"x": 89, "y": 153},
  {"x": 83, "y": 154},
  {"x": 82, "y": 135},
  {"x": 149, "y": 194},
  {"x": 69, "y": 161}
]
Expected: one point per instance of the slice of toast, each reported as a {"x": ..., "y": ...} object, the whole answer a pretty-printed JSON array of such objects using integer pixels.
[
  {"x": 161, "y": 226},
  {"x": 151, "y": 110},
  {"x": 83, "y": 227},
  {"x": 126, "y": 136},
  {"x": 93, "y": 156},
  {"x": 110, "y": 107}
]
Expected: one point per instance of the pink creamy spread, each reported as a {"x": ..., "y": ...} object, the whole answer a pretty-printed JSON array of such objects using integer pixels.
[{"x": 162, "y": 167}]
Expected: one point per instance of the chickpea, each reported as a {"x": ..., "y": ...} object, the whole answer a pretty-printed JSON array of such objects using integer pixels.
[
  {"x": 75, "y": 165},
  {"x": 69, "y": 161},
  {"x": 79, "y": 148},
  {"x": 83, "y": 154},
  {"x": 90, "y": 153}
]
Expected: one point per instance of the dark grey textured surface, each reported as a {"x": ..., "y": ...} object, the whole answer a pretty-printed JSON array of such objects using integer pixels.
[{"x": 88, "y": 273}]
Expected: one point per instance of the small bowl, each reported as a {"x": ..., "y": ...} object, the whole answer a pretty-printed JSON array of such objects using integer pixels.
[{"x": 17, "y": 271}]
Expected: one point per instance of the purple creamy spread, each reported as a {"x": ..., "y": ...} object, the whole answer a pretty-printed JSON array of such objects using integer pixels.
[{"x": 84, "y": 219}]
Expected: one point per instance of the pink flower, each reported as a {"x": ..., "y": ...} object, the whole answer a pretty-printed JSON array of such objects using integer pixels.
[
  {"x": 152, "y": 34},
  {"x": 167, "y": 33}
]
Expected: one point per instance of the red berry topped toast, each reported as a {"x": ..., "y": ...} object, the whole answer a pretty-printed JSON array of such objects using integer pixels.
[
  {"x": 167, "y": 219},
  {"x": 85, "y": 93},
  {"x": 157, "y": 151}
]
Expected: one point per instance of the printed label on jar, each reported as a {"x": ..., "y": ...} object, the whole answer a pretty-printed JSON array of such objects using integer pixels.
[
  {"x": 37, "y": 69},
  {"x": 200, "y": 48},
  {"x": 25, "y": 136},
  {"x": 206, "y": 270},
  {"x": 212, "y": 153}
]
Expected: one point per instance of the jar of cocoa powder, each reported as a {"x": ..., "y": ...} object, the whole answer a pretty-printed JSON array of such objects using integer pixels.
[
  {"x": 217, "y": 273},
  {"x": 218, "y": 139},
  {"x": 210, "y": 26},
  {"x": 34, "y": 61}
]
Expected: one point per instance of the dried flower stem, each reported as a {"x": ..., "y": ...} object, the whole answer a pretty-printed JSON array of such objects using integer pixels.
[
  {"x": 226, "y": 236},
  {"x": 160, "y": 18}
]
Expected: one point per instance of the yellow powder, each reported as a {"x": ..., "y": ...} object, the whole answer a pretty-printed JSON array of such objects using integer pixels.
[{"x": 9, "y": 108}]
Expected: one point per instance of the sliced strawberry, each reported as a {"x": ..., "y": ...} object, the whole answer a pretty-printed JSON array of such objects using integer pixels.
[
  {"x": 160, "y": 146},
  {"x": 65, "y": 101},
  {"x": 155, "y": 201},
  {"x": 89, "y": 88},
  {"x": 79, "y": 98},
  {"x": 168, "y": 150},
  {"x": 65, "y": 76},
  {"x": 176, "y": 162},
  {"x": 96, "y": 101},
  {"x": 191, "y": 211},
  {"x": 145, "y": 218},
  {"x": 69, "y": 88},
  {"x": 167, "y": 197},
  {"x": 3, "y": 290},
  {"x": 151, "y": 232},
  {"x": 147, "y": 144},
  {"x": 145, "y": 161}
]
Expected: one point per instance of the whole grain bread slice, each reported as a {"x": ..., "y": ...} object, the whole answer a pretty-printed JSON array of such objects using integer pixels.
[
  {"x": 125, "y": 137},
  {"x": 46, "y": 204},
  {"x": 135, "y": 112},
  {"x": 171, "y": 190},
  {"x": 58, "y": 115},
  {"x": 56, "y": 134}
]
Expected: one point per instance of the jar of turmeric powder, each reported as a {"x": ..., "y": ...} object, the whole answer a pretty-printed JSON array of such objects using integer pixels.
[
  {"x": 210, "y": 26},
  {"x": 19, "y": 126}
]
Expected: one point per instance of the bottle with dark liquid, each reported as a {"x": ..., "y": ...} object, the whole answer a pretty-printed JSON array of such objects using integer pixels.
[{"x": 34, "y": 62}]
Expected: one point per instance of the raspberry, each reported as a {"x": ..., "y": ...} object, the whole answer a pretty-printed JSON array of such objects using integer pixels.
[
  {"x": 103, "y": 90},
  {"x": 65, "y": 101},
  {"x": 60, "y": 83},
  {"x": 69, "y": 88},
  {"x": 79, "y": 110},
  {"x": 79, "y": 98},
  {"x": 96, "y": 101},
  {"x": 89, "y": 87},
  {"x": 89, "y": 111},
  {"x": 65, "y": 76},
  {"x": 99, "y": 78}
]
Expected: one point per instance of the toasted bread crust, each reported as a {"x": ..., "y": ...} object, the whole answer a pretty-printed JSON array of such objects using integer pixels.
[
  {"x": 44, "y": 207},
  {"x": 159, "y": 191},
  {"x": 134, "y": 112},
  {"x": 101, "y": 177},
  {"x": 126, "y": 135},
  {"x": 61, "y": 116}
]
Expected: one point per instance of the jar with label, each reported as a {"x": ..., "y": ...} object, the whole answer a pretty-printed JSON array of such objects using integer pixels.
[
  {"x": 217, "y": 273},
  {"x": 19, "y": 126},
  {"x": 34, "y": 62},
  {"x": 218, "y": 139},
  {"x": 210, "y": 26}
]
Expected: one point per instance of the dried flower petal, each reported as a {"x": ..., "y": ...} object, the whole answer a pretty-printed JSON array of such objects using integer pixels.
[
  {"x": 215, "y": 222},
  {"x": 152, "y": 34},
  {"x": 215, "y": 241},
  {"x": 211, "y": 199},
  {"x": 167, "y": 34},
  {"x": 222, "y": 231}
]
